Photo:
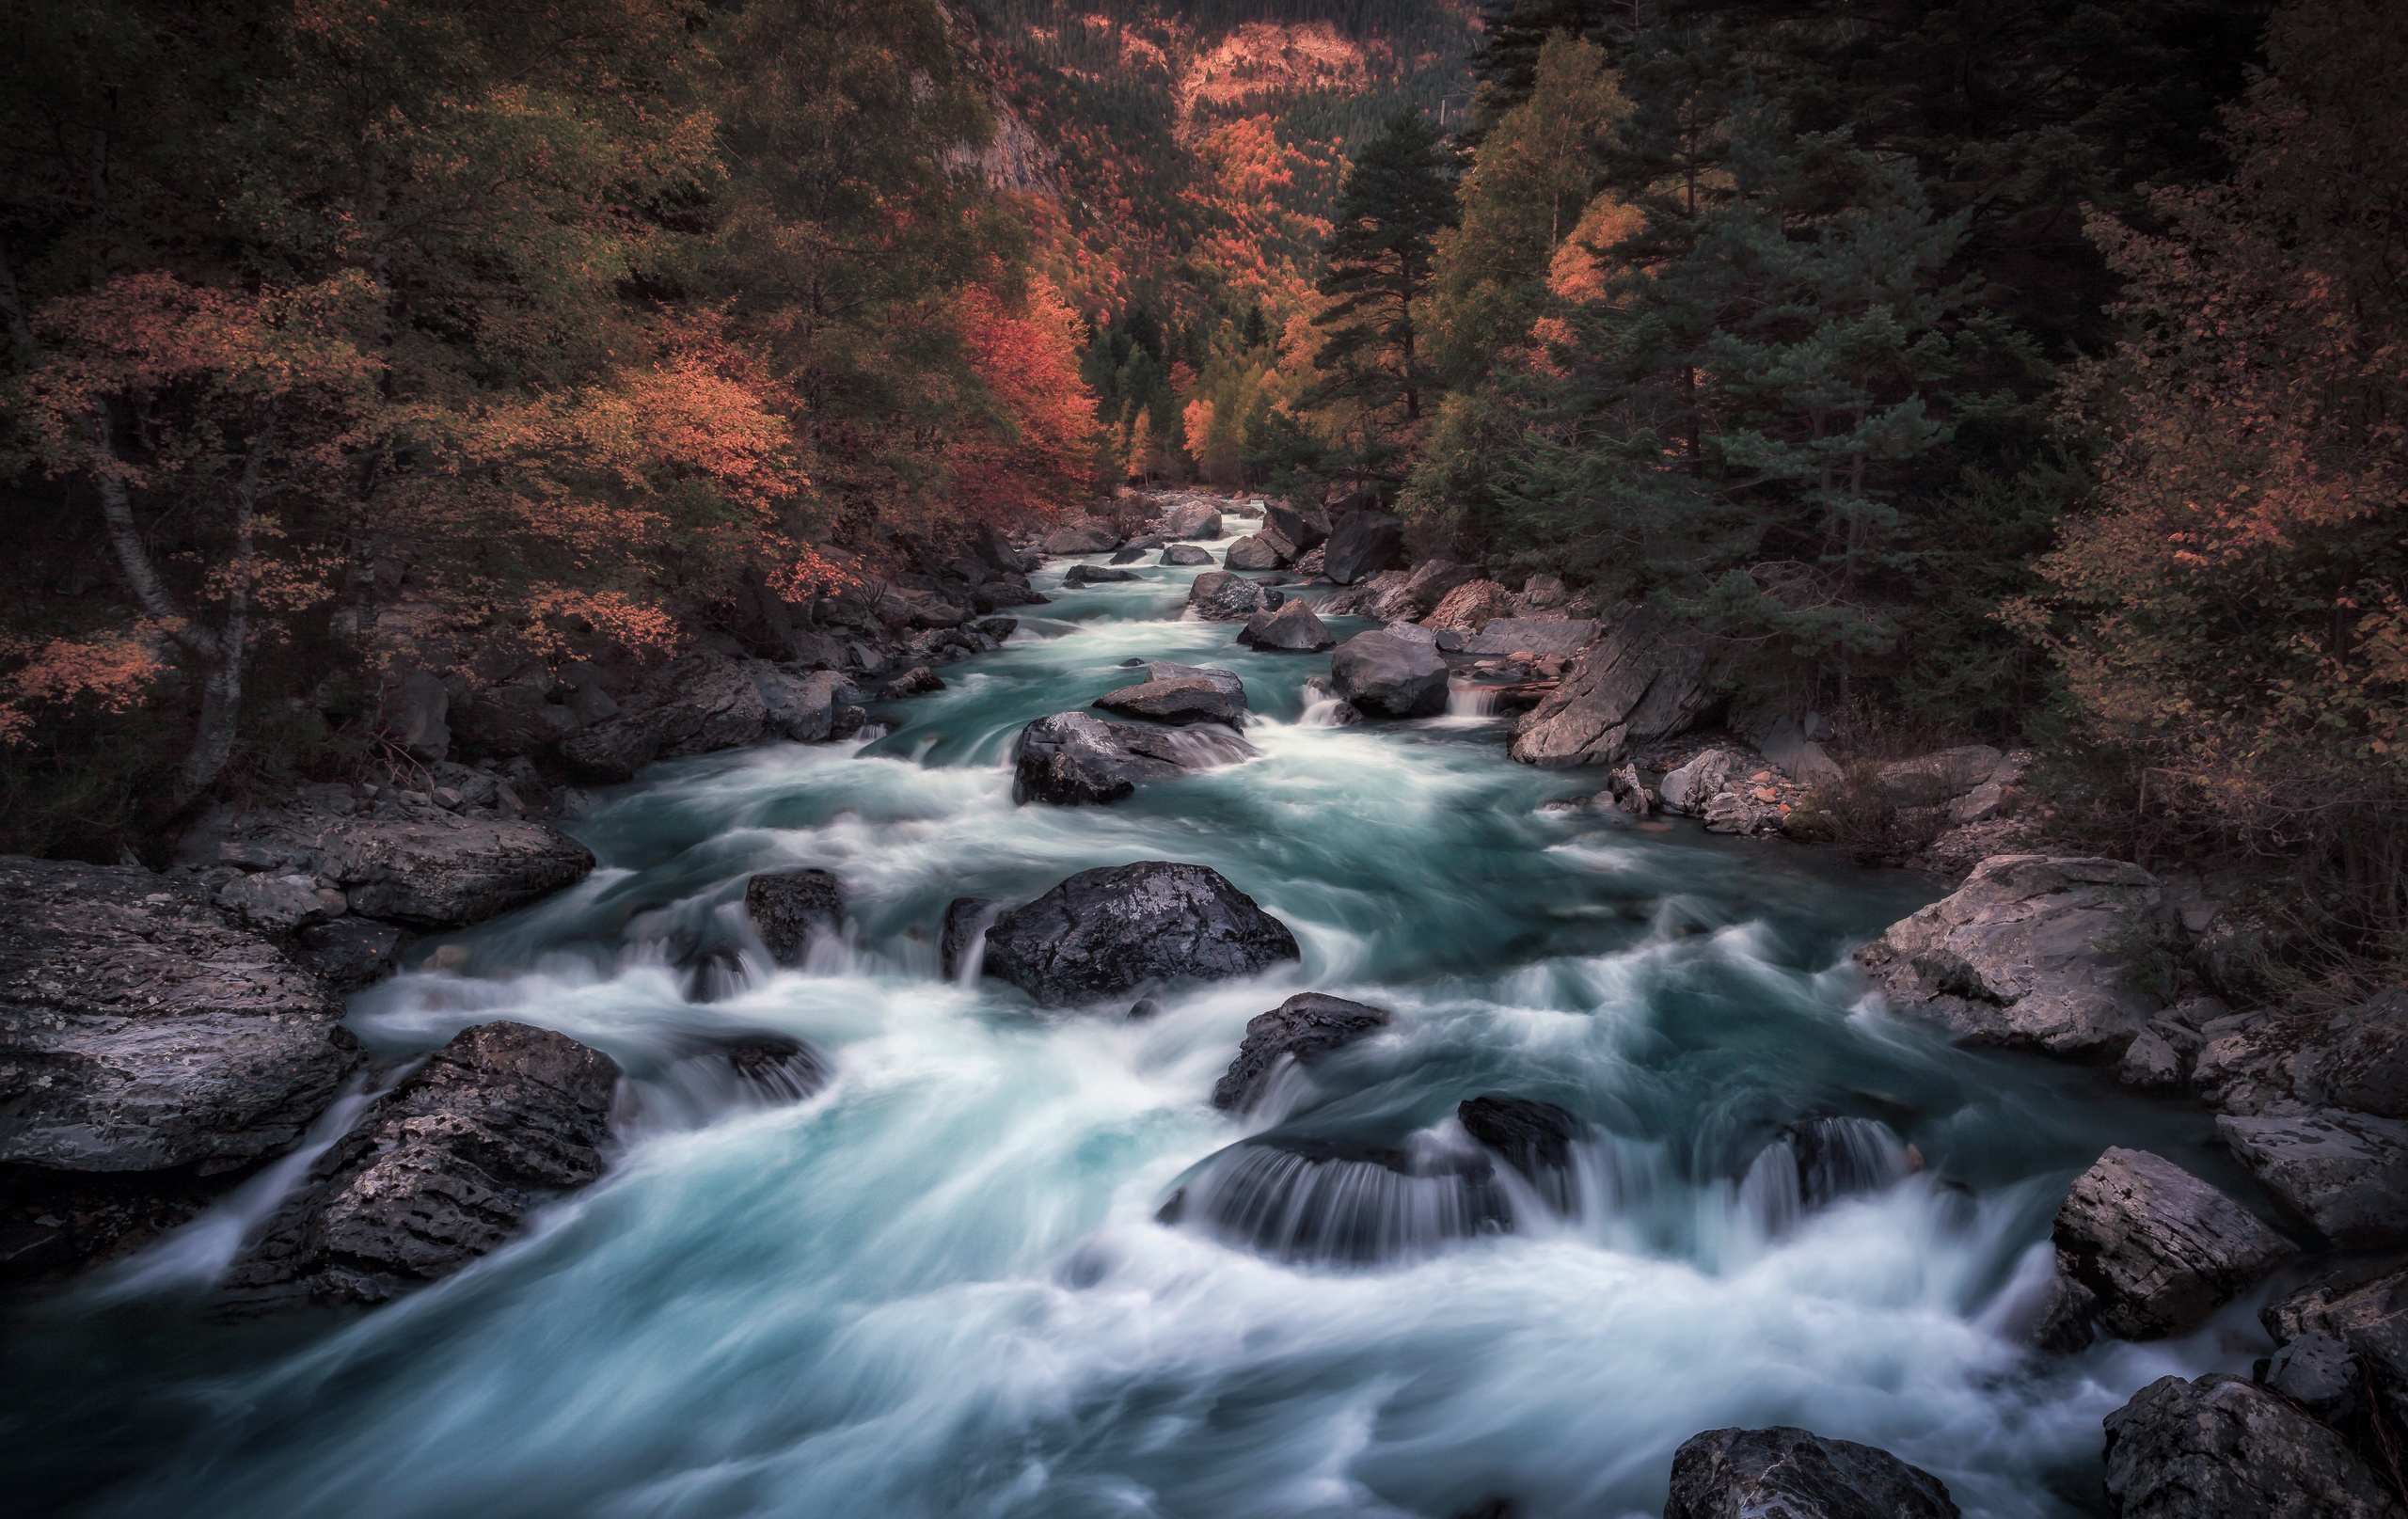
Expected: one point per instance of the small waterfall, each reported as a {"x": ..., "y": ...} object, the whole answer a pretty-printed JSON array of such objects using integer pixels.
[
  {"x": 1818, "y": 1161},
  {"x": 1329, "y": 1203},
  {"x": 725, "y": 1072},
  {"x": 1465, "y": 700}
]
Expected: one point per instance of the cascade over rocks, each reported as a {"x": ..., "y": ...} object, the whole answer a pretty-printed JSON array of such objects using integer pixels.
[
  {"x": 1649, "y": 678},
  {"x": 1789, "y": 1472},
  {"x": 1182, "y": 694},
  {"x": 1292, "y": 629},
  {"x": 1071, "y": 759},
  {"x": 1218, "y": 596},
  {"x": 1534, "y": 1138},
  {"x": 966, "y": 921},
  {"x": 2222, "y": 1448},
  {"x": 1385, "y": 675},
  {"x": 2159, "y": 1248},
  {"x": 1306, "y": 1024},
  {"x": 2033, "y": 952},
  {"x": 140, "y": 1029},
  {"x": 1106, "y": 933},
  {"x": 440, "y": 1171},
  {"x": 1326, "y": 1202},
  {"x": 1362, "y": 543},
  {"x": 789, "y": 907}
]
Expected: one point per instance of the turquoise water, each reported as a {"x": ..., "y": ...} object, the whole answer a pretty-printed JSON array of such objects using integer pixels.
[{"x": 939, "y": 1288}]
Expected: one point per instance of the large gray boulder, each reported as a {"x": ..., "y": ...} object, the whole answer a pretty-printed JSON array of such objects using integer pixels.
[
  {"x": 1789, "y": 1472},
  {"x": 1648, "y": 679},
  {"x": 1306, "y": 1024},
  {"x": 1292, "y": 629},
  {"x": 1306, "y": 528},
  {"x": 1362, "y": 544},
  {"x": 1189, "y": 554},
  {"x": 2159, "y": 1248},
  {"x": 2346, "y": 1173},
  {"x": 1102, "y": 934},
  {"x": 442, "y": 1170},
  {"x": 1182, "y": 694},
  {"x": 2038, "y": 952},
  {"x": 1193, "y": 519},
  {"x": 1080, "y": 538},
  {"x": 2222, "y": 1447},
  {"x": 1078, "y": 575},
  {"x": 1264, "y": 550},
  {"x": 1072, "y": 759},
  {"x": 140, "y": 1029},
  {"x": 700, "y": 705},
  {"x": 421, "y": 865},
  {"x": 1218, "y": 596},
  {"x": 1388, "y": 677}
]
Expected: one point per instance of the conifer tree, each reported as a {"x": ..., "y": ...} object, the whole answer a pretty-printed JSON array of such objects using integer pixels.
[{"x": 1397, "y": 197}]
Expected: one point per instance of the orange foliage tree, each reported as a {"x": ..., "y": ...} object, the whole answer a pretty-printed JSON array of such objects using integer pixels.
[{"x": 1039, "y": 441}]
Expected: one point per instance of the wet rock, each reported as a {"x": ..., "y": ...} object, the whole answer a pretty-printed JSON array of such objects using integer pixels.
[
  {"x": 1194, "y": 520},
  {"x": 141, "y": 1029},
  {"x": 789, "y": 907},
  {"x": 1187, "y": 554},
  {"x": 769, "y": 1066},
  {"x": 1649, "y": 678},
  {"x": 1813, "y": 1162},
  {"x": 966, "y": 920},
  {"x": 1534, "y": 1138},
  {"x": 1306, "y": 529},
  {"x": 1107, "y": 933},
  {"x": 1362, "y": 544},
  {"x": 1258, "y": 551},
  {"x": 918, "y": 681},
  {"x": 1387, "y": 676},
  {"x": 1072, "y": 759},
  {"x": 419, "y": 865},
  {"x": 1080, "y": 538},
  {"x": 1471, "y": 607},
  {"x": 2317, "y": 1372},
  {"x": 1182, "y": 699},
  {"x": 441, "y": 1171},
  {"x": 2034, "y": 951},
  {"x": 1292, "y": 629},
  {"x": 1306, "y": 1024},
  {"x": 2160, "y": 1248},
  {"x": 1131, "y": 554},
  {"x": 1335, "y": 1203},
  {"x": 1218, "y": 596},
  {"x": 2222, "y": 1447},
  {"x": 350, "y": 952},
  {"x": 1336, "y": 711},
  {"x": 1086, "y": 575},
  {"x": 1789, "y": 1472},
  {"x": 2152, "y": 1062},
  {"x": 1360, "y": 598},
  {"x": 2346, "y": 1173},
  {"x": 1532, "y": 638},
  {"x": 2061, "y": 1322}
]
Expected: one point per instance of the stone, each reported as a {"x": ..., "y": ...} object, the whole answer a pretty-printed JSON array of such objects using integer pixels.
[
  {"x": 1180, "y": 700},
  {"x": 141, "y": 1029},
  {"x": 511, "y": 720},
  {"x": 1361, "y": 543},
  {"x": 2317, "y": 1372},
  {"x": 966, "y": 919},
  {"x": 1218, "y": 596},
  {"x": 1130, "y": 554},
  {"x": 1727, "y": 812},
  {"x": 1542, "y": 638},
  {"x": 1648, "y": 679},
  {"x": 1383, "y": 676},
  {"x": 1427, "y": 585},
  {"x": 412, "y": 714},
  {"x": 1534, "y": 1138},
  {"x": 1471, "y": 607},
  {"x": 1080, "y": 538},
  {"x": 769, "y": 1066},
  {"x": 350, "y": 952},
  {"x": 1292, "y": 629},
  {"x": 2033, "y": 952},
  {"x": 918, "y": 681},
  {"x": 1306, "y": 1024},
  {"x": 1800, "y": 758},
  {"x": 587, "y": 690},
  {"x": 1190, "y": 554},
  {"x": 2061, "y": 1323},
  {"x": 440, "y": 1172},
  {"x": 2366, "y": 1068},
  {"x": 1789, "y": 1472},
  {"x": 788, "y": 908},
  {"x": 417, "y": 866},
  {"x": 2159, "y": 1247},
  {"x": 1086, "y": 575},
  {"x": 1196, "y": 519},
  {"x": 1542, "y": 593},
  {"x": 1306, "y": 529},
  {"x": 1685, "y": 788},
  {"x": 2150, "y": 1063},
  {"x": 1258, "y": 551},
  {"x": 273, "y": 904},
  {"x": 1363, "y": 598},
  {"x": 2346, "y": 1173},
  {"x": 2222, "y": 1448},
  {"x": 1936, "y": 779},
  {"x": 700, "y": 705},
  {"x": 1106, "y": 933},
  {"x": 1072, "y": 759},
  {"x": 2365, "y": 1310}
]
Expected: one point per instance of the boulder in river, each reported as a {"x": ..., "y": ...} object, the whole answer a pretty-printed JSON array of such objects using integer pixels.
[
  {"x": 1306, "y": 528},
  {"x": 1186, "y": 554},
  {"x": 2158, "y": 1248},
  {"x": 440, "y": 1171},
  {"x": 1218, "y": 596},
  {"x": 1789, "y": 1472},
  {"x": 140, "y": 1029},
  {"x": 2345, "y": 1173},
  {"x": 1107, "y": 932},
  {"x": 1080, "y": 538},
  {"x": 2224, "y": 1447},
  {"x": 1258, "y": 551},
  {"x": 2035, "y": 952},
  {"x": 1086, "y": 575},
  {"x": 1362, "y": 543},
  {"x": 1388, "y": 677},
  {"x": 788, "y": 908},
  {"x": 1649, "y": 678},
  {"x": 1195, "y": 519},
  {"x": 1308, "y": 1023},
  {"x": 1534, "y": 1138},
  {"x": 1072, "y": 759},
  {"x": 1181, "y": 695},
  {"x": 1292, "y": 629}
]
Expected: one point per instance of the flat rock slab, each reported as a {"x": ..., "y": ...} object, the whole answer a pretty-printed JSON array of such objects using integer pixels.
[
  {"x": 1543, "y": 637},
  {"x": 1306, "y": 1024},
  {"x": 440, "y": 1171},
  {"x": 1789, "y": 1472},
  {"x": 2034, "y": 951},
  {"x": 1083, "y": 575},
  {"x": 2160, "y": 1248},
  {"x": 1187, "y": 554},
  {"x": 1106, "y": 933},
  {"x": 140, "y": 1029},
  {"x": 2222, "y": 1447},
  {"x": 1180, "y": 700},
  {"x": 2346, "y": 1173},
  {"x": 1074, "y": 759},
  {"x": 1648, "y": 679}
]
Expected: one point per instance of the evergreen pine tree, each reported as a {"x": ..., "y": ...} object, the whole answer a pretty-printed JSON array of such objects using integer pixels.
[{"x": 1398, "y": 196}]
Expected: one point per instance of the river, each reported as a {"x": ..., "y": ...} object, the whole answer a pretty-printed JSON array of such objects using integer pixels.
[{"x": 940, "y": 1287}]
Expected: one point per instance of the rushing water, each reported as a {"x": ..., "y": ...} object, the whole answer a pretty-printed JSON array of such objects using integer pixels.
[{"x": 940, "y": 1287}]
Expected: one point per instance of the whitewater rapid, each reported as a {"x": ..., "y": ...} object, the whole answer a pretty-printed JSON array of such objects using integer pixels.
[{"x": 940, "y": 1288}]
